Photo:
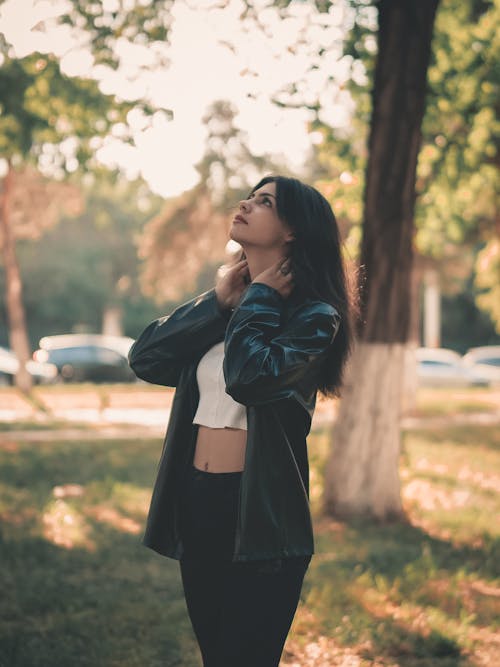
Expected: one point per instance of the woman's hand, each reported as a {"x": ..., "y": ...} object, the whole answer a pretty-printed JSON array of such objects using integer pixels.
[
  {"x": 231, "y": 285},
  {"x": 279, "y": 276}
]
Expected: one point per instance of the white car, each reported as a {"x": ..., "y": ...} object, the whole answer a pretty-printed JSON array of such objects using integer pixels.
[
  {"x": 441, "y": 367},
  {"x": 121, "y": 344},
  {"x": 87, "y": 357},
  {"x": 485, "y": 360},
  {"x": 41, "y": 372}
]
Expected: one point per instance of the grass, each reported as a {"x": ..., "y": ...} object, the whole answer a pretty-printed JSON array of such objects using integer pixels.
[
  {"x": 77, "y": 586},
  {"x": 446, "y": 401},
  {"x": 49, "y": 425},
  {"x": 79, "y": 589},
  {"x": 423, "y": 593},
  {"x": 79, "y": 387}
]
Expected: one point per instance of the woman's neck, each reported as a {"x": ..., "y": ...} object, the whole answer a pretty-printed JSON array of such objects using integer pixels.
[{"x": 261, "y": 259}]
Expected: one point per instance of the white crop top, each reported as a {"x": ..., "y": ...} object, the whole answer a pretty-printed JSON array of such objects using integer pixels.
[{"x": 216, "y": 408}]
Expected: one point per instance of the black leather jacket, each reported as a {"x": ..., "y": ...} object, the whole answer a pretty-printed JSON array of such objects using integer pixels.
[{"x": 274, "y": 348}]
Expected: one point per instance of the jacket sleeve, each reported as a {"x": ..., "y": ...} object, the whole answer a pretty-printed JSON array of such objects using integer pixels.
[
  {"x": 168, "y": 343},
  {"x": 264, "y": 360}
]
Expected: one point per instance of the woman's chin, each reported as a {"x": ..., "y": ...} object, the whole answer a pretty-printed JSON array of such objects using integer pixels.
[{"x": 234, "y": 235}]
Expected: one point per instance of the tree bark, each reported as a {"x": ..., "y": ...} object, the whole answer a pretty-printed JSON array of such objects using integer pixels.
[
  {"x": 18, "y": 334},
  {"x": 410, "y": 381},
  {"x": 112, "y": 321},
  {"x": 362, "y": 476},
  {"x": 364, "y": 470},
  {"x": 432, "y": 308}
]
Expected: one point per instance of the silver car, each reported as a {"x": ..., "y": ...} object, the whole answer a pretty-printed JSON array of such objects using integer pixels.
[
  {"x": 442, "y": 367},
  {"x": 485, "y": 361},
  {"x": 41, "y": 372}
]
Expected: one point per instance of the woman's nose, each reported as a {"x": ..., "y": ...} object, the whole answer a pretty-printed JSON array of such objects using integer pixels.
[{"x": 244, "y": 205}]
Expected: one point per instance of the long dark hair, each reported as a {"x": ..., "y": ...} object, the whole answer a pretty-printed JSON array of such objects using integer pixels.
[{"x": 317, "y": 264}]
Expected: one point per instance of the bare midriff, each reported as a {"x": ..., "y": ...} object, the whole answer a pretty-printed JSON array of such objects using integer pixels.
[{"x": 220, "y": 449}]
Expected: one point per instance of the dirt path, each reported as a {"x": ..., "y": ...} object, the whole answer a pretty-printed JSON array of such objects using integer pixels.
[
  {"x": 141, "y": 431},
  {"x": 96, "y": 412}
]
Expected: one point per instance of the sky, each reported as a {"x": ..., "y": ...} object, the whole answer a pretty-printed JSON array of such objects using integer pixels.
[{"x": 212, "y": 55}]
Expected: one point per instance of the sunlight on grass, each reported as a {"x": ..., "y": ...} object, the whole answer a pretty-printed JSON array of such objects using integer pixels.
[
  {"x": 451, "y": 481},
  {"x": 434, "y": 402},
  {"x": 419, "y": 594},
  {"x": 116, "y": 504},
  {"x": 64, "y": 526},
  {"x": 113, "y": 518},
  {"x": 409, "y": 595},
  {"x": 77, "y": 587}
]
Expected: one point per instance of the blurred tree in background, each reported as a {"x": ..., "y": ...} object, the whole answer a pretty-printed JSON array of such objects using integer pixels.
[
  {"x": 458, "y": 165},
  {"x": 103, "y": 26},
  {"x": 87, "y": 264},
  {"x": 362, "y": 476},
  {"x": 50, "y": 120},
  {"x": 456, "y": 210},
  {"x": 68, "y": 118},
  {"x": 455, "y": 213},
  {"x": 41, "y": 108},
  {"x": 488, "y": 278},
  {"x": 457, "y": 159}
]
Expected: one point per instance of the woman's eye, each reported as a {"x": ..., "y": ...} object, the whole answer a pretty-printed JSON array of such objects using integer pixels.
[{"x": 267, "y": 201}]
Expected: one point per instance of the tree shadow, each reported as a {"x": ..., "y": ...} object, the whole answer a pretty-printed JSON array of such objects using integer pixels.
[
  {"x": 369, "y": 576},
  {"x": 102, "y": 599},
  {"x": 119, "y": 604},
  {"x": 462, "y": 435},
  {"x": 389, "y": 547}
]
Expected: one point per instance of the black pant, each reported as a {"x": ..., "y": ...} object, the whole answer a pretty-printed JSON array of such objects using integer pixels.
[{"x": 241, "y": 612}]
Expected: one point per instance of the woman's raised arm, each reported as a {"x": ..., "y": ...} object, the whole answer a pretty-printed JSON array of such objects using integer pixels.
[{"x": 168, "y": 343}]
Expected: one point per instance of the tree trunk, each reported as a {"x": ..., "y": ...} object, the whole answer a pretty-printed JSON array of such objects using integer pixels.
[
  {"x": 112, "y": 321},
  {"x": 410, "y": 383},
  {"x": 18, "y": 334},
  {"x": 432, "y": 309},
  {"x": 365, "y": 476},
  {"x": 362, "y": 473}
]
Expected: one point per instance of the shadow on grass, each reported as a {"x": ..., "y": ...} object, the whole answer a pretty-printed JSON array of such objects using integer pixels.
[
  {"x": 395, "y": 591},
  {"x": 106, "y": 601},
  {"x": 83, "y": 461},
  {"x": 391, "y": 547},
  {"x": 463, "y": 435},
  {"x": 121, "y": 605},
  {"x": 116, "y": 604}
]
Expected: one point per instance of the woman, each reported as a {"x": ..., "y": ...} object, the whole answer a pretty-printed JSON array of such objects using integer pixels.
[{"x": 247, "y": 358}]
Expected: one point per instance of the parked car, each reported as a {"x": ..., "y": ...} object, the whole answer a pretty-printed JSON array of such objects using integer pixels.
[
  {"x": 88, "y": 357},
  {"x": 121, "y": 344},
  {"x": 441, "y": 367},
  {"x": 42, "y": 373},
  {"x": 485, "y": 360}
]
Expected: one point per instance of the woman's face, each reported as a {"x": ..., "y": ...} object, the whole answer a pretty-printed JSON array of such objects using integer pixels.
[{"x": 257, "y": 223}]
